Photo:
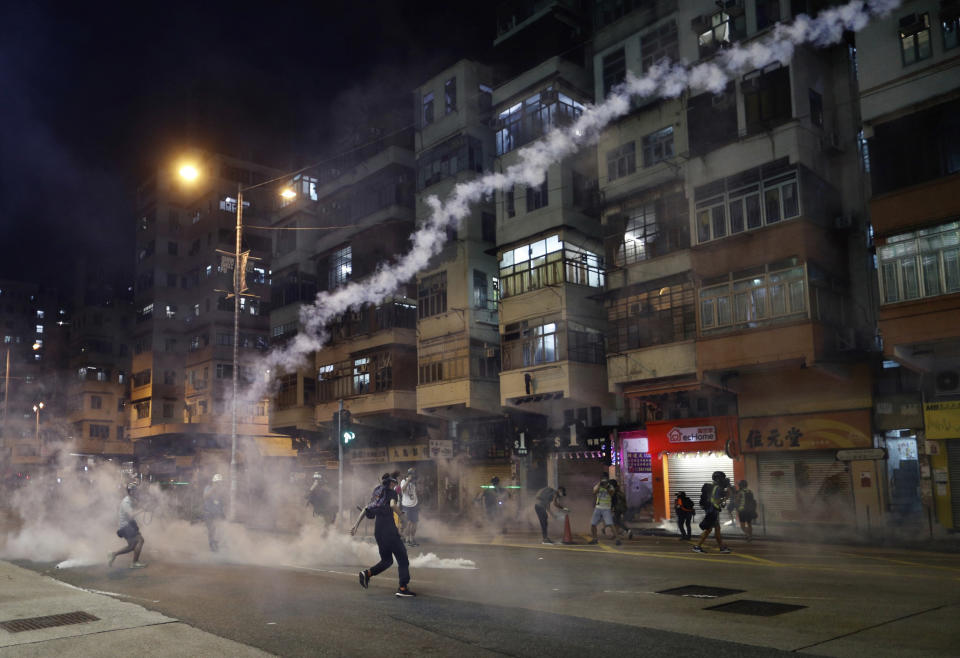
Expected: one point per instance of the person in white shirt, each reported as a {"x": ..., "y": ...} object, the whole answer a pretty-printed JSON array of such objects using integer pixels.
[
  {"x": 128, "y": 528},
  {"x": 410, "y": 505}
]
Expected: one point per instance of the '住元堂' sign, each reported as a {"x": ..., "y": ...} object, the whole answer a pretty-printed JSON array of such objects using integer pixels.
[{"x": 692, "y": 434}]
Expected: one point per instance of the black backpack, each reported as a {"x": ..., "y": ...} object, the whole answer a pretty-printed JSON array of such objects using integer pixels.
[
  {"x": 705, "y": 494},
  {"x": 379, "y": 502},
  {"x": 749, "y": 503}
]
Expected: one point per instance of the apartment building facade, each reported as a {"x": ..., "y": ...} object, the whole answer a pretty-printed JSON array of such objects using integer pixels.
[
  {"x": 182, "y": 363},
  {"x": 739, "y": 289},
  {"x": 910, "y": 101}
]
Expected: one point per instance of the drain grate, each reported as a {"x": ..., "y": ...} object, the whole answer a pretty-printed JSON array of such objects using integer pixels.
[
  {"x": 756, "y": 608},
  {"x": 36, "y": 623},
  {"x": 701, "y": 591}
]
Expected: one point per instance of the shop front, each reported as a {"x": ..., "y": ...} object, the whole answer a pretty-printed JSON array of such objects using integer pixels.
[
  {"x": 898, "y": 429},
  {"x": 807, "y": 469},
  {"x": 941, "y": 477},
  {"x": 678, "y": 455}
]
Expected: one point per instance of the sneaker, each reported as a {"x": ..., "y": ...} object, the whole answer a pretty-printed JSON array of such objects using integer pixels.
[
  {"x": 726, "y": 549},
  {"x": 138, "y": 565},
  {"x": 547, "y": 540},
  {"x": 593, "y": 541},
  {"x": 698, "y": 549},
  {"x": 364, "y": 579},
  {"x": 618, "y": 542},
  {"x": 112, "y": 557},
  {"x": 405, "y": 592}
]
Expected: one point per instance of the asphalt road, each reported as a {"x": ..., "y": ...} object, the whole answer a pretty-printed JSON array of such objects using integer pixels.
[{"x": 524, "y": 599}]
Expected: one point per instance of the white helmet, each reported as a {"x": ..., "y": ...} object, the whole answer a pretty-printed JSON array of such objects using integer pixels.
[
  {"x": 317, "y": 476},
  {"x": 217, "y": 477}
]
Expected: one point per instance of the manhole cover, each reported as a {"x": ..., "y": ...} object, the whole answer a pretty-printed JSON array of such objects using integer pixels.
[
  {"x": 36, "y": 623},
  {"x": 756, "y": 608},
  {"x": 700, "y": 591}
]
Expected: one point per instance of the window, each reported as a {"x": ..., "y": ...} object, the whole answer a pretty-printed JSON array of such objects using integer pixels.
[
  {"x": 142, "y": 409},
  {"x": 816, "y": 108},
  {"x": 168, "y": 410},
  {"x": 225, "y": 340},
  {"x": 951, "y": 28},
  {"x": 712, "y": 120},
  {"x": 915, "y": 38},
  {"x": 96, "y": 402},
  {"x": 659, "y": 43},
  {"x": 640, "y": 233},
  {"x": 659, "y": 313},
  {"x": 171, "y": 311},
  {"x": 169, "y": 377},
  {"x": 748, "y": 298},
  {"x": 766, "y": 98},
  {"x": 341, "y": 267},
  {"x": 614, "y": 70},
  {"x": 484, "y": 96},
  {"x": 768, "y": 13},
  {"x": 432, "y": 295},
  {"x": 427, "y": 112},
  {"x": 537, "y": 196},
  {"x": 547, "y": 262},
  {"x": 924, "y": 263},
  {"x": 746, "y": 201},
  {"x": 540, "y": 344},
  {"x": 202, "y": 407},
  {"x": 621, "y": 161},
  {"x": 286, "y": 391},
  {"x": 480, "y": 297},
  {"x": 361, "y": 376},
  {"x": 141, "y": 378},
  {"x": 450, "y": 96},
  {"x": 658, "y": 146},
  {"x": 654, "y": 225},
  {"x": 99, "y": 431},
  {"x": 488, "y": 227},
  {"x": 224, "y": 371},
  {"x": 533, "y": 117},
  {"x": 721, "y": 30},
  {"x": 460, "y": 153}
]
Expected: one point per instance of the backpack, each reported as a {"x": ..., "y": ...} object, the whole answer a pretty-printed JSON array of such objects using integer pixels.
[
  {"x": 379, "y": 502},
  {"x": 749, "y": 503},
  {"x": 705, "y": 494}
]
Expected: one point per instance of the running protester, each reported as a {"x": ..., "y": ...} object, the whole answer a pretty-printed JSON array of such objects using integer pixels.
[
  {"x": 128, "y": 529},
  {"x": 410, "y": 506},
  {"x": 713, "y": 499},
  {"x": 383, "y": 505}
]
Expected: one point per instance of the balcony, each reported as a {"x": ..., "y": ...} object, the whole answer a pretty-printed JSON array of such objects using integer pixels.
[
  {"x": 915, "y": 206},
  {"x": 536, "y": 388},
  {"x": 654, "y": 362},
  {"x": 390, "y": 403}
]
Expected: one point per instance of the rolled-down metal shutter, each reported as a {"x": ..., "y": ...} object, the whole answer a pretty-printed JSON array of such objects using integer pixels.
[
  {"x": 687, "y": 472},
  {"x": 810, "y": 487},
  {"x": 953, "y": 472}
]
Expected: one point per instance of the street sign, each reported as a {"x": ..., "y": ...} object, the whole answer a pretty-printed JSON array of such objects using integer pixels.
[{"x": 858, "y": 454}]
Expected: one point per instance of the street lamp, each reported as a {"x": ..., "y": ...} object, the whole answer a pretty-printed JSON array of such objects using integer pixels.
[
  {"x": 36, "y": 410},
  {"x": 190, "y": 173}
]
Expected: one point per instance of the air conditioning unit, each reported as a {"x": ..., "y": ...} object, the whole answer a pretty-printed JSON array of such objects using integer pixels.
[{"x": 947, "y": 382}]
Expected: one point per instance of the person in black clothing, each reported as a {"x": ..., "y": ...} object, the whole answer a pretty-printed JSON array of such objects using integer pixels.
[
  {"x": 382, "y": 507},
  {"x": 546, "y": 497},
  {"x": 685, "y": 511}
]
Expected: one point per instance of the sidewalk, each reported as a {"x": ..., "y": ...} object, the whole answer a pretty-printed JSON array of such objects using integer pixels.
[{"x": 121, "y": 628}]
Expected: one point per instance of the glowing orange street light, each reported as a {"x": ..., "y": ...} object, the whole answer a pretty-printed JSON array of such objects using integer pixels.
[{"x": 189, "y": 173}]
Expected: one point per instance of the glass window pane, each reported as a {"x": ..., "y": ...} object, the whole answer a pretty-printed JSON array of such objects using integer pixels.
[
  {"x": 931, "y": 274},
  {"x": 521, "y": 254},
  {"x": 758, "y": 299},
  {"x": 797, "y": 297},
  {"x": 741, "y": 308},
  {"x": 723, "y": 310},
  {"x": 778, "y": 299},
  {"x": 550, "y": 348},
  {"x": 706, "y": 313},
  {"x": 951, "y": 269},
  {"x": 791, "y": 205},
  {"x": 538, "y": 248},
  {"x": 911, "y": 282},
  {"x": 753, "y": 210},
  {"x": 703, "y": 225},
  {"x": 719, "y": 222},
  {"x": 891, "y": 290},
  {"x": 923, "y": 44},
  {"x": 771, "y": 199},
  {"x": 554, "y": 244},
  {"x": 736, "y": 216}
]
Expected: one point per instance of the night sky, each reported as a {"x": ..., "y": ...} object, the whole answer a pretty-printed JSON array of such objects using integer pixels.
[{"x": 92, "y": 99}]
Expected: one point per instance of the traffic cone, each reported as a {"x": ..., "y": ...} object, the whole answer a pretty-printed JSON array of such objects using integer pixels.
[{"x": 567, "y": 535}]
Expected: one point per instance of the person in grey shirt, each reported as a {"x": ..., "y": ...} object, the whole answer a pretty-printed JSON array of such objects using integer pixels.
[{"x": 128, "y": 528}]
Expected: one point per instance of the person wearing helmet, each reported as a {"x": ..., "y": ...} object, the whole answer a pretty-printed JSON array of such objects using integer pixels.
[
  {"x": 410, "y": 505},
  {"x": 128, "y": 528},
  {"x": 713, "y": 499},
  {"x": 316, "y": 496},
  {"x": 382, "y": 507},
  {"x": 213, "y": 510}
]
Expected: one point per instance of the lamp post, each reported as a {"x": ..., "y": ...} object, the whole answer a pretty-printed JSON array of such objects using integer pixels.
[
  {"x": 191, "y": 173},
  {"x": 36, "y": 410}
]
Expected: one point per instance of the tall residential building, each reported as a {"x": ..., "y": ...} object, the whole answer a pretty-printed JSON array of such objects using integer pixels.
[
  {"x": 182, "y": 364},
  {"x": 354, "y": 213},
  {"x": 458, "y": 344},
  {"x": 550, "y": 253},
  {"x": 98, "y": 374},
  {"x": 910, "y": 104},
  {"x": 739, "y": 285}
]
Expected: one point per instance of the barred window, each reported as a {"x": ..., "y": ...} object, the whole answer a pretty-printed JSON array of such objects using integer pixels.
[
  {"x": 432, "y": 295},
  {"x": 341, "y": 267},
  {"x": 621, "y": 161},
  {"x": 924, "y": 263},
  {"x": 658, "y": 146},
  {"x": 663, "y": 312},
  {"x": 751, "y": 297}
]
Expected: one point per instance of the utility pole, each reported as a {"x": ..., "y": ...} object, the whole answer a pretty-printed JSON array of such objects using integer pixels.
[
  {"x": 340, "y": 464},
  {"x": 237, "y": 284}
]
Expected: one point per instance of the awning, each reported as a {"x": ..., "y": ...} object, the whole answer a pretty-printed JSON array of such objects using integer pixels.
[
  {"x": 660, "y": 387},
  {"x": 275, "y": 446}
]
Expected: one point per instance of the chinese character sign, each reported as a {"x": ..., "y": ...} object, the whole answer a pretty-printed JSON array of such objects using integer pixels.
[
  {"x": 826, "y": 431},
  {"x": 639, "y": 462}
]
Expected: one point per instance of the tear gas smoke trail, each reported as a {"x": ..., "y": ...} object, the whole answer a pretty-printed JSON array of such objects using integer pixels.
[{"x": 665, "y": 79}]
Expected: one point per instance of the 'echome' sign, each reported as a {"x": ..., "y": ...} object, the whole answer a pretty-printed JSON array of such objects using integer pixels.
[{"x": 692, "y": 434}]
